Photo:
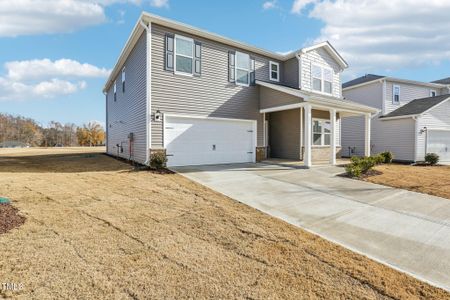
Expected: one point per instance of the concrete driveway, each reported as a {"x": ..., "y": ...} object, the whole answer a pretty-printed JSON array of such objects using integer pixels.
[{"x": 407, "y": 230}]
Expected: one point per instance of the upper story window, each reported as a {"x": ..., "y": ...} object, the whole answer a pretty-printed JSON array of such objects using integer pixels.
[
  {"x": 328, "y": 81},
  {"x": 321, "y": 132},
  {"x": 322, "y": 79},
  {"x": 242, "y": 68},
  {"x": 396, "y": 94},
  {"x": 115, "y": 91},
  {"x": 123, "y": 80},
  {"x": 274, "y": 71},
  {"x": 433, "y": 93},
  {"x": 183, "y": 55}
]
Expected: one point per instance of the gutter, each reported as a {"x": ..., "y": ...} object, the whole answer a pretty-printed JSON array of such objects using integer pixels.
[{"x": 399, "y": 117}]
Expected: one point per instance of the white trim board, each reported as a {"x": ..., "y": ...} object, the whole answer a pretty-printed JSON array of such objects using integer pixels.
[{"x": 278, "y": 71}]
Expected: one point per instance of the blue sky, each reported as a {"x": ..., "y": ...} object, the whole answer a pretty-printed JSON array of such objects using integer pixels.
[{"x": 53, "y": 65}]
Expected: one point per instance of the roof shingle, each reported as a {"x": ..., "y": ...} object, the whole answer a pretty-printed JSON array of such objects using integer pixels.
[
  {"x": 362, "y": 79},
  {"x": 417, "y": 106},
  {"x": 442, "y": 81}
]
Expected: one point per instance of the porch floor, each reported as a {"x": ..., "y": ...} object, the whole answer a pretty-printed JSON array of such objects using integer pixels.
[{"x": 300, "y": 163}]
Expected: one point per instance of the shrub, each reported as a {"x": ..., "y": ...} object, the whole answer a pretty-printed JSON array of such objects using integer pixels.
[
  {"x": 367, "y": 163},
  {"x": 158, "y": 160},
  {"x": 353, "y": 170},
  {"x": 388, "y": 157},
  {"x": 379, "y": 159},
  {"x": 432, "y": 158},
  {"x": 361, "y": 165}
]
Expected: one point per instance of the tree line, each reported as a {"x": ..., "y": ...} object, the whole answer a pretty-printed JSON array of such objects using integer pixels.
[{"x": 22, "y": 131}]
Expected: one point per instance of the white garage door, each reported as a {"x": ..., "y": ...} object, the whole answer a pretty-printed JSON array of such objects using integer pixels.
[
  {"x": 203, "y": 141},
  {"x": 439, "y": 143}
]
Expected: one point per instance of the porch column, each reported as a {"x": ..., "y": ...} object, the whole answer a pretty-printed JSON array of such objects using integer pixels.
[
  {"x": 367, "y": 135},
  {"x": 308, "y": 132},
  {"x": 333, "y": 136}
]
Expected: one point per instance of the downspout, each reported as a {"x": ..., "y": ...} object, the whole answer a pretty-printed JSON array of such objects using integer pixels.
[
  {"x": 148, "y": 58},
  {"x": 416, "y": 133},
  {"x": 299, "y": 59},
  {"x": 301, "y": 133},
  {"x": 383, "y": 103},
  {"x": 106, "y": 121}
]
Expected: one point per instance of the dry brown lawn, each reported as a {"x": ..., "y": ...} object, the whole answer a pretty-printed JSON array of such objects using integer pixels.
[
  {"x": 97, "y": 229},
  {"x": 433, "y": 180}
]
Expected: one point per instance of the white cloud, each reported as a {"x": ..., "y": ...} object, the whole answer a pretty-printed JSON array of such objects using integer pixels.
[
  {"x": 269, "y": 4},
  {"x": 16, "y": 90},
  {"x": 385, "y": 34},
  {"x": 101, "y": 123},
  {"x": 122, "y": 16},
  {"x": 285, "y": 52},
  {"x": 56, "y": 87},
  {"x": 45, "y": 68},
  {"x": 31, "y": 17},
  {"x": 299, "y": 5},
  {"x": 159, "y": 3},
  {"x": 28, "y": 17},
  {"x": 31, "y": 79}
]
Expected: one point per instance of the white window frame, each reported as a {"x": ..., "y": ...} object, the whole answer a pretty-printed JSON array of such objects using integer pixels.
[
  {"x": 175, "y": 54},
  {"x": 123, "y": 79},
  {"x": 312, "y": 78},
  {"x": 322, "y": 133},
  {"x": 431, "y": 93},
  {"x": 115, "y": 91},
  {"x": 323, "y": 82},
  {"x": 271, "y": 63},
  {"x": 393, "y": 94},
  {"x": 322, "y": 79},
  {"x": 236, "y": 68}
]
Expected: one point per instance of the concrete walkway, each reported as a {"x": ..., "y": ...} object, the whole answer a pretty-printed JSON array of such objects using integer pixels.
[{"x": 407, "y": 230}]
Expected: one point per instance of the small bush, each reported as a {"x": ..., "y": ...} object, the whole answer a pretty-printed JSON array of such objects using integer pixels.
[
  {"x": 432, "y": 158},
  {"x": 361, "y": 165},
  {"x": 158, "y": 160},
  {"x": 367, "y": 163},
  {"x": 353, "y": 170},
  {"x": 379, "y": 159},
  {"x": 388, "y": 157}
]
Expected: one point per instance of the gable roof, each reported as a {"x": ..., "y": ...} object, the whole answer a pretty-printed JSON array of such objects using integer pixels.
[
  {"x": 367, "y": 79},
  {"x": 318, "y": 99},
  {"x": 362, "y": 79},
  {"x": 329, "y": 48},
  {"x": 147, "y": 18},
  {"x": 442, "y": 81},
  {"x": 417, "y": 107}
]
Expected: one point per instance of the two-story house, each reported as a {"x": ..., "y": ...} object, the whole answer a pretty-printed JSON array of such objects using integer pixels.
[
  {"x": 206, "y": 99},
  {"x": 414, "y": 117}
]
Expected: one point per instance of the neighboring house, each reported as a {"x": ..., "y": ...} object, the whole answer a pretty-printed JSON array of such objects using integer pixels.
[
  {"x": 414, "y": 117},
  {"x": 206, "y": 99}
]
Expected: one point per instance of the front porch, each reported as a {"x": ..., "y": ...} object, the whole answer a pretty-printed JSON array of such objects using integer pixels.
[
  {"x": 306, "y": 127},
  {"x": 295, "y": 163}
]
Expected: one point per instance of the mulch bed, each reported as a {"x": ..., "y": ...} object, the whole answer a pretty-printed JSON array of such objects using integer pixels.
[{"x": 9, "y": 218}]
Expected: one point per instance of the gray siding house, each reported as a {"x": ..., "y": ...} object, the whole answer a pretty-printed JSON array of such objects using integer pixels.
[
  {"x": 206, "y": 99},
  {"x": 414, "y": 117}
]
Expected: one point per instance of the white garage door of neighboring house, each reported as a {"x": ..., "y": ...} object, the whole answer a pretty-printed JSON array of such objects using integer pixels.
[
  {"x": 439, "y": 143},
  {"x": 203, "y": 141}
]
